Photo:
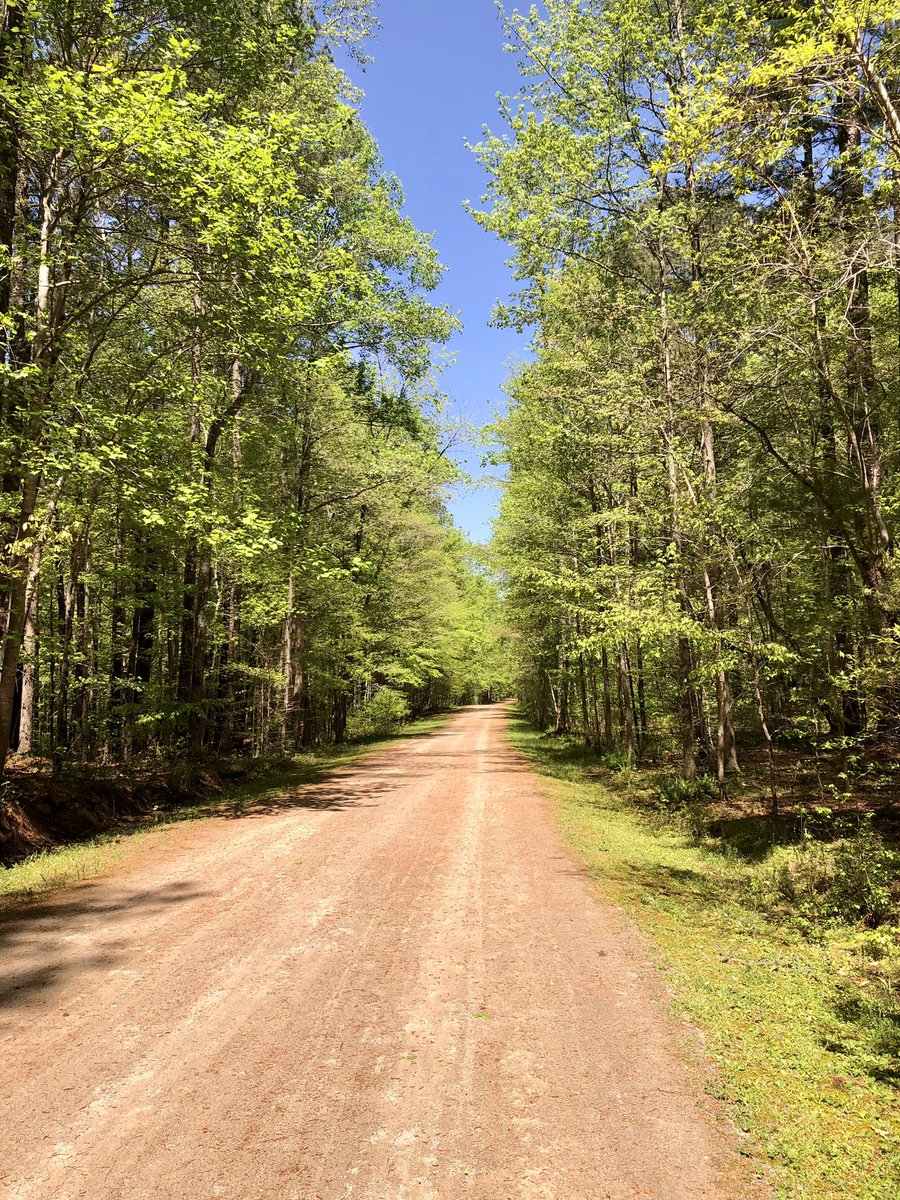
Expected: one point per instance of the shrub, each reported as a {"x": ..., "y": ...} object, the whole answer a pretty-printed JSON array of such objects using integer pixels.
[
  {"x": 677, "y": 792},
  {"x": 865, "y": 878},
  {"x": 617, "y": 760},
  {"x": 384, "y": 713},
  {"x": 855, "y": 880},
  {"x": 689, "y": 801}
]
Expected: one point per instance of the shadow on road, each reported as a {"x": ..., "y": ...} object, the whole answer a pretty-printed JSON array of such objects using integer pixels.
[
  {"x": 40, "y": 940},
  {"x": 328, "y": 796},
  {"x": 42, "y": 933}
]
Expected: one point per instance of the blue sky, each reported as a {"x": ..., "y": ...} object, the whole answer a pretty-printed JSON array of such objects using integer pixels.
[{"x": 438, "y": 67}]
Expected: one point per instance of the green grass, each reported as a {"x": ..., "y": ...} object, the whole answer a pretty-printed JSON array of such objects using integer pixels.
[
  {"x": 66, "y": 865},
  {"x": 804, "y": 1040},
  {"x": 56, "y": 868}
]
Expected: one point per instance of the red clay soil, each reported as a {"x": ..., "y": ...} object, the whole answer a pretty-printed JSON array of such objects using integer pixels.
[{"x": 393, "y": 985}]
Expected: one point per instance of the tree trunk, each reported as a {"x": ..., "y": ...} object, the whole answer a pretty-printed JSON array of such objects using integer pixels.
[
  {"x": 626, "y": 708},
  {"x": 37, "y": 391},
  {"x": 608, "y": 738}
]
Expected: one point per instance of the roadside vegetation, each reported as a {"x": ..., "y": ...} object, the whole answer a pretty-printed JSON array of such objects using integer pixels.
[
  {"x": 783, "y": 950},
  {"x": 223, "y": 446},
  {"x": 224, "y": 451},
  {"x": 698, "y": 534}
]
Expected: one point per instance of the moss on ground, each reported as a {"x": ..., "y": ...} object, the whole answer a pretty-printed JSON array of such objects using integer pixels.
[{"x": 803, "y": 1030}]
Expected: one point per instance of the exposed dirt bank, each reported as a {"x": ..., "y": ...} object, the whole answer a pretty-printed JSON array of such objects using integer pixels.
[{"x": 40, "y": 809}]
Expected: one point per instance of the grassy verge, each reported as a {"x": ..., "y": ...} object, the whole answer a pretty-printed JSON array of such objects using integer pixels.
[
  {"x": 65, "y": 865},
  {"x": 804, "y": 1041}
]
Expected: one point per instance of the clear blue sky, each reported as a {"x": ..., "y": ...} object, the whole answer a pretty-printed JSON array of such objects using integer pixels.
[{"x": 438, "y": 67}]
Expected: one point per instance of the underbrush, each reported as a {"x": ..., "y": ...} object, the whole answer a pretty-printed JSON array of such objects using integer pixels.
[
  {"x": 383, "y": 714},
  {"x": 854, "y": 878},
  {"x": 779, "y": 945}
]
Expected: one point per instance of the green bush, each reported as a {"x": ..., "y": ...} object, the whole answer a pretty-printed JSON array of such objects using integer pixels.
[
  {"x": 865, "y": 878},
  {"x": 855, "y": 880},
  {"x": 677, "y": 792},
  {"x": 688, "y": 802},
  {"x": 384, "y": 713},
  {"x": 617, "y": 760}
]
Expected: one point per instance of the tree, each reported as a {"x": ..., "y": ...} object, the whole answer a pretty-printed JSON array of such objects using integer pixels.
[{"x": 223, "y": 467}]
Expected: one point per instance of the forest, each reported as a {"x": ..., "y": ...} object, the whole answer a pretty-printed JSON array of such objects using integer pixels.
[
  {"x": 698, "y": 536},
  {"x": 223, "y": 446},
  {"x": 226, "y": 454}
]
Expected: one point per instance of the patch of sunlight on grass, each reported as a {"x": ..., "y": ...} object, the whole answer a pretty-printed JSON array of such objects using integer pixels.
[
  {"x": 803, "y": 1077},
  {"x": 57, "y": 868}
]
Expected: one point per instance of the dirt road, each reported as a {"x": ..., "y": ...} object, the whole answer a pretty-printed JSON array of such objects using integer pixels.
[{"x": 395, "y": 985}]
